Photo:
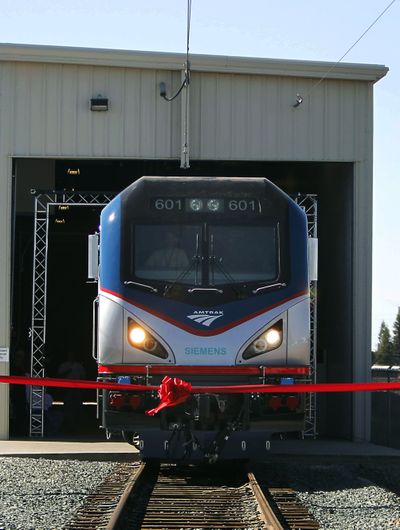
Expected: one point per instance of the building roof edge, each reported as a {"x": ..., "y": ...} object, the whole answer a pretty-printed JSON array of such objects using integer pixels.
[{"x": 198, "y": 62}]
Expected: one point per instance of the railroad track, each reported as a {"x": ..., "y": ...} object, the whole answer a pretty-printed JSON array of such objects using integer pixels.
[
  {"x": 103, "y": 508},
  {"x": 167, "y": 496}
]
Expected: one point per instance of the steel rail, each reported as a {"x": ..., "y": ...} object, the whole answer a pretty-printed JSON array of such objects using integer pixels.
[
  {"x": 167, "y": 497},
  {"x": 99, "y": 506},
  {"x": 266, "y": 511},
  {"x": 130, "y": 485}
]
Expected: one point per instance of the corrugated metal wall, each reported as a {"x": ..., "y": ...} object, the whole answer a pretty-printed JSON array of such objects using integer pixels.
[
  {"x": 239, "y": 117},
  {"x": 247, "y": 117},
  {"x": 48, "y": 109}
]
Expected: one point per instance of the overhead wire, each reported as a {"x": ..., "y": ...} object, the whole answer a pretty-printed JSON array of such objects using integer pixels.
[
  {"x": 189, "y": 16},
  {"x": 186, "y": 79},
  {"x": 299, "y": 98}
]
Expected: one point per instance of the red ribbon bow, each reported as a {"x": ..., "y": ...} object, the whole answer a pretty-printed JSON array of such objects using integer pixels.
[{"x": 172, "y": 391}]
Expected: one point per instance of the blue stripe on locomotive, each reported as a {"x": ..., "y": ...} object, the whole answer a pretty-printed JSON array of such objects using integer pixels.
[
  {"x": 110, "y": 246},
  {"x": 110, "y": 275}
]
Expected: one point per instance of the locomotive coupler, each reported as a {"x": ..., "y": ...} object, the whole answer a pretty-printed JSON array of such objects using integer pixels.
[
  {"x": 189, "y": 442},
  {"x": 216, "y": 446}
]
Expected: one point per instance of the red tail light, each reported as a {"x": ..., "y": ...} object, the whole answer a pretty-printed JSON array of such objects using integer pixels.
[
  {"x": 275, "y": 402},
  {"x": 292, "y": 402},
  {"x": 116, "y": 400},
  {"x": 135, "y": 401}
]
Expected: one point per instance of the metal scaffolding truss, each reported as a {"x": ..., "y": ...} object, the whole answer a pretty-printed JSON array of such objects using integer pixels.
[
  {"x": 44, "y": 201},
  {"x": 310, "y": 206}
]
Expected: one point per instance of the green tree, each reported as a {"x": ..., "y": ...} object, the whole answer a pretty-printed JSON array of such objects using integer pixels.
[
  {"x": 384, "y": 351},
  {"x": 396, "y": 339}
]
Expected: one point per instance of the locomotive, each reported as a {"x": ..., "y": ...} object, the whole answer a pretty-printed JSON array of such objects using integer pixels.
[{"x": 204, "y": 279}]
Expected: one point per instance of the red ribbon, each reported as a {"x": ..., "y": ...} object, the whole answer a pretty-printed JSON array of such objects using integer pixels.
[
  {"x": 71, "y": 383},
  {"x": 173, "y": 391}
]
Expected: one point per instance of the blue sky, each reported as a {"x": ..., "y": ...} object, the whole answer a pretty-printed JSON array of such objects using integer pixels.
[{"x": 286, "y": 29}]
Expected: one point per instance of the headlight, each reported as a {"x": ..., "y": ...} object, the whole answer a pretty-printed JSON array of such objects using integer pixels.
[
  {"x": 273, "y": 337},
  {"x": 141, "y": 339},
  {"x": 269, "y": 340},
  {"x": 213, "y": 205},
  {"x": 137, "y": 335},
  {"x": 196, "y": 205},
  {"x": 209, "y": 205}
]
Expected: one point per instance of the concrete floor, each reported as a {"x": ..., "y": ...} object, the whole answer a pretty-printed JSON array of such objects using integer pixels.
[{"x": 295, "y": 448}]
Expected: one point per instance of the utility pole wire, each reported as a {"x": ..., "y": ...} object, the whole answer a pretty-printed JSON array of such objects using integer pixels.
[
  {"x": 299, "y": 99},
  {"x": 186, "y": 80}
]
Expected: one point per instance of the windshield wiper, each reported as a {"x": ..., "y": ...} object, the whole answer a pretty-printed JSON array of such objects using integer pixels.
[
  {"x": 269, "y": 286},
  {"x": 195, "y": 260},
  {"x": 142, "y": 285},
  {"x": 218, "y": 262}
]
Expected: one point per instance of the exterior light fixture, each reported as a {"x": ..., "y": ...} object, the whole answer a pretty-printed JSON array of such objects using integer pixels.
[
  {"x": 73, "y": 171},
  {"x": 99, "y": 103},
  {"x": 299, "y": 101}
]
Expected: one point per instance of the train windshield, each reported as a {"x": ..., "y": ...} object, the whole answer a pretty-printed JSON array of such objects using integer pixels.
[
  {"x": 242, "y": 254},
  {"x": 205, "y": 254},
  {"x": 167, "y": 253}
]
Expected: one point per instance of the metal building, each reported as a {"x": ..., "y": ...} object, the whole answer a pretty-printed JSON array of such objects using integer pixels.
[{"x": 304, "y": 125}]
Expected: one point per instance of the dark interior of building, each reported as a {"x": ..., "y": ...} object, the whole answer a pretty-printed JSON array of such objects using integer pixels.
[{"x": 70, "y": 296}]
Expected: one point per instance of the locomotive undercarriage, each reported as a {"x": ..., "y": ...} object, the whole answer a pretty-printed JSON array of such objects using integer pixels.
[{"x": 206, "y": 426}]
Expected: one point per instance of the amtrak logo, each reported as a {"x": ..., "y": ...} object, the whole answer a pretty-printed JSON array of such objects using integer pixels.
[{"x": 205, "y": 318}]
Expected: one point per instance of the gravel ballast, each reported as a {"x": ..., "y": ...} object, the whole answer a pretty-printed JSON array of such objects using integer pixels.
[
  {"x": 343, "y": 496},
  {"x": 43, "y": 493}
]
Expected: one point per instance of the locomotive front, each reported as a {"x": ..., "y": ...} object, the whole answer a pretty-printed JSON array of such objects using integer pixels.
[{"x": 205, "y": 279}]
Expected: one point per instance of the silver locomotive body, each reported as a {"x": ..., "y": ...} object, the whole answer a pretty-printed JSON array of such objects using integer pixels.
[{"x": 204, "y": 279}]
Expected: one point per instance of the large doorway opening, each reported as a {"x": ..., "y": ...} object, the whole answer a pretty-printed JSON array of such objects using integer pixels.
[{"x": 70, "y": 296}]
